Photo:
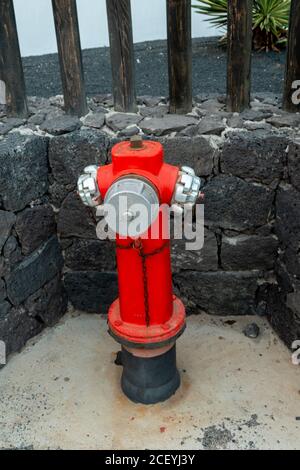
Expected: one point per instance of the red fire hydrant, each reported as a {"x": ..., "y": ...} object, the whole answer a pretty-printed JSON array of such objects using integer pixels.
[{"x": 147, "y": 318}]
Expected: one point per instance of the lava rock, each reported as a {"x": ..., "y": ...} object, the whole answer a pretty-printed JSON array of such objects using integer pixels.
[
  {"x": 5, "y": 307},
  {"x": 37, "y": 119},
  {"x": 293, "y": 300},
  {"x": 219, "y": 293},
  {"x": 95, "y": 120},
  {"x": 166, "y": 124},
  {"x": 211, "y": 106},
  {"x": 57, "y": 101},
  {"x": 201, "y": 152},
  {"x": 4, "y": 268},
  {"x": 16, "y": 328},
  {"x": 252, "y": 330},
  {"x": 235, "y": 204},
  {"x": 205, "y": 259},
  {"x": 200, "y": 113},
  {"x": 105, "y": 98},
  {"x": 268, "y": 98},
  {"x": 284, "y": 321},
  {"x": 54, "y": 113},
  {"x": 70, "y": 154},
  {"x": 211, "y": 125},
  {"x": 119, "y": 121},
  {"x": 23, "y": 170},
  {"x": 75, "y": 219},
  {"x": 92, "y": 255},
  {"x": 10, "y": 123},
  {"x": 91, "y": 291},
  {"x": 2, "y": 290},
  {"x": 58, "y": 193},
  {"x": 283, "y": 277},
  {"x": 235, "y": 121},
  {"x": 37, "y": 102},
  {"x": 191, "y": 131},
  {"x": 48, "y": 304},
  {"x": 155, "y": 111},
  {"x": 285, "y": 120},
  {"x": 294, "y": 163},
  {"x": 255, "y": 115},
  {"x": 7, "y": 220},
  {"x": 10, "y": 247},
  {"x": 96, "y": 108},
  {"x": 245, "y": 252},
  {"x": 129, "y": 131},
  {"x": 34, "y": 271},
  {"x": 287, "y": 225},
  {"x": 255, "y": 126},
  {"x": 34, "y": 226},
  {"x": 202, "y": 97},
  {"x": 291, "y": 258},
  {"x": 61, "y": 125},
  {"x": 151, "y": 101},
  {"x": 259, "y": 156},
  {"x": 3, "y": 111}
]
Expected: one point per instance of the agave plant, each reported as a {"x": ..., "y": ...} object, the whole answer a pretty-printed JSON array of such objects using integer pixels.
[{"x": 270, "y": 20}]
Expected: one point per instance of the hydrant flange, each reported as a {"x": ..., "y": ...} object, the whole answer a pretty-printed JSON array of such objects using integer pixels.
[{"x": 151, "y": 337}]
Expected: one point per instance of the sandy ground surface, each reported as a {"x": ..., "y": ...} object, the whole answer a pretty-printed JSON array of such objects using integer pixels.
[
  {"x": 209, "y": 70},
  {"x": 62, "y": 392}
]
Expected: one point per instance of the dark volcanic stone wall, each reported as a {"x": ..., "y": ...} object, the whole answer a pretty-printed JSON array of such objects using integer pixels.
[
  {"x": 239, "y": 211},
  {"x": 32, "y": 295},
  {"x": 284, "y": 304},
  {"x": 49, "y": 252}
]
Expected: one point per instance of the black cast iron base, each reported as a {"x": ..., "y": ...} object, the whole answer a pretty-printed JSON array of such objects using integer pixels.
[{"x": 149, "y": 380}]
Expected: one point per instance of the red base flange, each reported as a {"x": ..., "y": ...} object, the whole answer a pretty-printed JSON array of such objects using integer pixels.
[{"x": 146, "y": 336}]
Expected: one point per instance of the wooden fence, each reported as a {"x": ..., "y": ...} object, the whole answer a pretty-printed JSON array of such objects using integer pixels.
[{"x": 122, "y": 56}]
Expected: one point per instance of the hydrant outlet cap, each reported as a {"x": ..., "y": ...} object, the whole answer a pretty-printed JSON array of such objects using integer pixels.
[{"x": 131, "y": 198}]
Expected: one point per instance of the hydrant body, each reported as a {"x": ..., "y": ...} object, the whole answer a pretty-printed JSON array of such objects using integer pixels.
[
  {"x": 146, "y": 312},
  {"x": 147, "y": 318}
]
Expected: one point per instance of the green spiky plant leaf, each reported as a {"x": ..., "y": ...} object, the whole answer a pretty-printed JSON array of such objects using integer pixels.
[{"x": 270, "y": 20}]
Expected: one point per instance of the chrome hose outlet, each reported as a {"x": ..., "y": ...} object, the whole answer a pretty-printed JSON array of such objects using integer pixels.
[
  {"x": 88, "y": 187},
  {"x": 187, "y": 189}
]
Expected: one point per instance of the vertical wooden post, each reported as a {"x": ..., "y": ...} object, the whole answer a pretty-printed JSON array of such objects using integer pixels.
[
  {"x": 239, "y": 54},
  {"x": 179, "y": 13},
  {"x": 122, "y": 54},
  {"x": 70, "y": 57},
  {"x": 291, "y": 98},
  {"x": 11, "y": 70}
]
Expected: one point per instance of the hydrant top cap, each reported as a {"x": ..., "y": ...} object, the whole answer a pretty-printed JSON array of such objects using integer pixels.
[
  {"x": 148, "y": 156},
  {"x": 146, "y": 148}
]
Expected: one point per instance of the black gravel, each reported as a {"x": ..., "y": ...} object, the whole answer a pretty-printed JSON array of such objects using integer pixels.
[{"x": 209, "y": 70}]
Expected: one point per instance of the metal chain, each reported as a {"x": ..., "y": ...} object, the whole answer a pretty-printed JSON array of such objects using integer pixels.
[{"x": 138, "y": 245}]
